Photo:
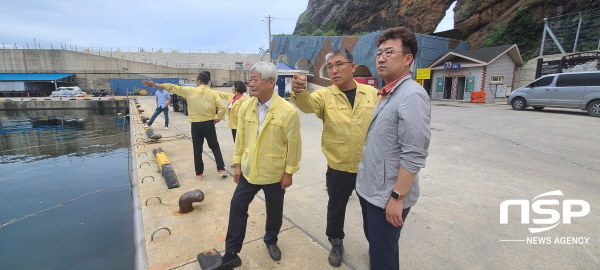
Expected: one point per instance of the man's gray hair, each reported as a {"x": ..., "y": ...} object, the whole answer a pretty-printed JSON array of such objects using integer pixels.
[
  {"x": 265, "y": 69},
  {"x": 341, "y": 51}
]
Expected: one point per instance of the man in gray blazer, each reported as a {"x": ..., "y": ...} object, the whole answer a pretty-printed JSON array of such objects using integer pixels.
[{"x": 395, "y": 149}]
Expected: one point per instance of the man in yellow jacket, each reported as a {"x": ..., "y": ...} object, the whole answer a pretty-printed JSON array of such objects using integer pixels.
[
  {"x": 267, "y": 153},
  {"x": 202, "y": 102},
  {"x": 346, "y": 109}
]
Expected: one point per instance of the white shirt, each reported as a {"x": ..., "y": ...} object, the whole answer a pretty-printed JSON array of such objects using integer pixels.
[{"x": 262, "y": 111}]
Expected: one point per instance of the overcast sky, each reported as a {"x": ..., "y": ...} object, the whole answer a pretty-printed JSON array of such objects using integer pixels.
[
  {"x": 447, "y": 22},
  {"x": 176, "y": 24}
]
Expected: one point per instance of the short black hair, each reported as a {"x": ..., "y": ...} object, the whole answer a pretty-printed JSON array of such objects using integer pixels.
[
  {"x": 409, "y": 40},
  {"x": 240, "y": 87},
  {"x": 203, "y": 78}
]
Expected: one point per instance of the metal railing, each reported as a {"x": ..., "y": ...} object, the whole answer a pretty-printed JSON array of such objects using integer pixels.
[
  {"x": 129, "y": 53},
  {"x": 64, "y": 46}
]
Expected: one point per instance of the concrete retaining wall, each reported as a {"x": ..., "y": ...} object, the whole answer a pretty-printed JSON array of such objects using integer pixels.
[
  {"x": 217, "y": 60},
  {"x": 526, "y": 73},
  {"x": 94, "y": 72}
]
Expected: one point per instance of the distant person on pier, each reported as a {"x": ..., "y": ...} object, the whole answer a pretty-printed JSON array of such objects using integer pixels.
[
  {"x": 202, "y": 102},
  {"x": 163, "y": 99}
]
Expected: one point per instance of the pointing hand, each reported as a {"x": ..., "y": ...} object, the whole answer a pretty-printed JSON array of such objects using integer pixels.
[{"x": 298, "y": 83}]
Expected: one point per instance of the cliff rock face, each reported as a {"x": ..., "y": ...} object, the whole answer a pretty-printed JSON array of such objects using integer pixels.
[
  {"x": 355, "y": 16},
  {"x": 474, "y": 19}
]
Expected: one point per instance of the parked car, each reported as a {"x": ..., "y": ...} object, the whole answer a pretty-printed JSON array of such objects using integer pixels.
[
  {"x": 577, "y": 90},
  {"x": 179, "y": 102}
]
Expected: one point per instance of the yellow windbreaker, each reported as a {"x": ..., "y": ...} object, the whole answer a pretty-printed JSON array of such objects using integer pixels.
[
  {"x": 277, "y": 149},
  {"x": 232, "y": 113},
  {"x": 201, "y": 102},
  {"x": 344, "y": 127}
]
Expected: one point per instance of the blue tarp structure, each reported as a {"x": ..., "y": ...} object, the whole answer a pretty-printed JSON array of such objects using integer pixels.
[
  {"x": 123, "y": 87},
  {"x": 284, "y": 66},
  {"x": 18, "y": 77}
]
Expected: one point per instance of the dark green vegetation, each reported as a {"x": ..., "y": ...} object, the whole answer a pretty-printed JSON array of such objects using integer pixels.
[{"x": 523, "y": 29}]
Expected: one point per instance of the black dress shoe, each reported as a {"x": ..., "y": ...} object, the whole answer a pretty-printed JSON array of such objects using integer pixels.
[
  {"x": 274, "y": 252},
  {"x": 237, "y": 262}
]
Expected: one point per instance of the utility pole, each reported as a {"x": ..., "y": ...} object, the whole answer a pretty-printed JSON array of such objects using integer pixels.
[{"x": 269, "y": 23}]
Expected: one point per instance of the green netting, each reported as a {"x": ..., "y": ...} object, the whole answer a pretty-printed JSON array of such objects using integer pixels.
[{"x": 565, "y": 29}]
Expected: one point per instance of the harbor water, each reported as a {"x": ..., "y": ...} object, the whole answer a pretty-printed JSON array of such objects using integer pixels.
[{"x": 65, "y": 191}]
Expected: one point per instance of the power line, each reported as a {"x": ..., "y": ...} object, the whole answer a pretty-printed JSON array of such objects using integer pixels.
[
  {"x": 269, "y": 18},
  {"x": 268, "y": 21}
]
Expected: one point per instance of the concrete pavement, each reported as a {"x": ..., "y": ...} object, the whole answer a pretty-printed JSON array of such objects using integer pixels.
[{"x": 480, "y": 156}]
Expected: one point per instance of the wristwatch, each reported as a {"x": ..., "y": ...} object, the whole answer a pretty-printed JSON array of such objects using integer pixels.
[{"x": 397, "y": 196}]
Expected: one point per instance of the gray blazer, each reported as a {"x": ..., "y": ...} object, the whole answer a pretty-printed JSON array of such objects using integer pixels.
[{"x": 399, "y": 135}]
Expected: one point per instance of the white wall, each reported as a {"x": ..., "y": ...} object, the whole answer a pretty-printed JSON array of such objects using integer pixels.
[
  {"x": 503, "y": 66},
  {"x": 526, "y": 73},
  {"x": 9, "y": 86}
]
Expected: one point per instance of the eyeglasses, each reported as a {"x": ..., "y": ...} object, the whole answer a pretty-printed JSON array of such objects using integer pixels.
[
  {"x": 386, "y": 53},
  {"x": 337, "y": 65}
]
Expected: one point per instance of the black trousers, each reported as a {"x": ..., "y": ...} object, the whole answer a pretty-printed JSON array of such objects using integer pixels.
[
  {"x": 201, "y": 130},
  {"x": 339, "y": 188},
  {"x": 383, "y": 237},
  {"x": 238, "y": 213},
  {"x": 233, "y": 132}
]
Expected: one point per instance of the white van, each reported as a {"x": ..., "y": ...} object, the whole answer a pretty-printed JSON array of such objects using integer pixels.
[
  {"x": 70, "y": 91},
  {"x": 577, "y": 90}
]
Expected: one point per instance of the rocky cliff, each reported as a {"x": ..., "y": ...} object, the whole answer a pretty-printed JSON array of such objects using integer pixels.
[
  {"x": 474, "y": 19},
  {"x": 355, "y": 16}
]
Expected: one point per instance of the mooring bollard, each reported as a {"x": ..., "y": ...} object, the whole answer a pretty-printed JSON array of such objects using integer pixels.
[{"x": 186, "y": 200}]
